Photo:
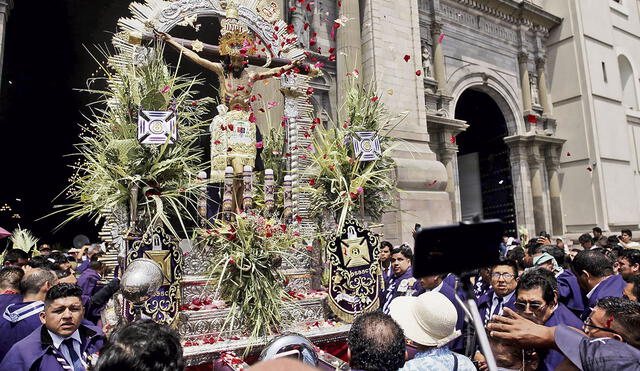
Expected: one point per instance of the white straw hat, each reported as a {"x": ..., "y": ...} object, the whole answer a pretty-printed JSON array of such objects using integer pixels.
[{"x": 429, "y": 319}]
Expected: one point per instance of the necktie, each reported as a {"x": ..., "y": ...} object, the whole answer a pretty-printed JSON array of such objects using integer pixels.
[
  {"x": 498, "y": 307},
  {"x": 76, "y": 362},
  {"x": 496, "y": 310},
  {"x": 388, "y": 298}
]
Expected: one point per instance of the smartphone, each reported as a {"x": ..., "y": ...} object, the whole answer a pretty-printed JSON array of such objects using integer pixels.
[{"x": 457, "y": 248}]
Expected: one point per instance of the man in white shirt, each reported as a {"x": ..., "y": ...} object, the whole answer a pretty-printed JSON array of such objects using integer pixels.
[{"x": 625, "y": 240}]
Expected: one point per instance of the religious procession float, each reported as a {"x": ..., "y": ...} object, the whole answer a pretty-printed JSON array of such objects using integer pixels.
[{"x": 231, "y": 226}]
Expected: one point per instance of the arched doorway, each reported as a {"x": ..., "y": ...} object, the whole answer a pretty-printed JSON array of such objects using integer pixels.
[{"x": 484, "y": 168}]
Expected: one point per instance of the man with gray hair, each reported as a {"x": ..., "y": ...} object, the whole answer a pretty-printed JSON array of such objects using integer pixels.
[
  {"x": 20, "y": 319},
  {"x": 91, "y": 250}
]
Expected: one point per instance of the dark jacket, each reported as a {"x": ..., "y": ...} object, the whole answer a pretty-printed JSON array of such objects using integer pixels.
[
  {"x": 550, "y": 359},
  {"x": 17, "y": 321},
  {"x": 569, "y": 292},
  {"x": 611, "y": 286},
  {"x": 457, "y": 344},
  {"x": 485, "y": 301},
  {"x": 36, "y": 351}
]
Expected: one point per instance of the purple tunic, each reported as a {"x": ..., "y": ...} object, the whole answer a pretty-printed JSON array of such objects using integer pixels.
[
  {"x": 36, "y": 351},
  {"x": 6, "y": 299},
  {"x": 569, "y": 292},
  {"x": 400, "y": 286},
  {"x": 84, "y": 264},
  {"x": 611, "y": 286},
  {"x": 457, "y": 344},
  {"x": 561, "y": 316},
  {"x": 18, "y": 321},
  {"x": 88, "y": 281}
]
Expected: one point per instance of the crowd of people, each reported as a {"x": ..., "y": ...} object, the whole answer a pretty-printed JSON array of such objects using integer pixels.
[
  {"x": 541, "y": 307},
  {"x": 541, "y": 287}
]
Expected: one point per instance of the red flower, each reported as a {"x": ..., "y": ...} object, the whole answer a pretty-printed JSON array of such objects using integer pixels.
[
  {"x": 194, "y": 103},
  {"x": 332, "y": 57},
  {"x": 351, "y": 160},
  {"x": 418, "y": 72},
  {"x": 325, "y": 156},
  {"x": 407, "y": 57},
  {"x": 332, "y": 168},
  {"x": 231, "y": 261},
  {"x": 331, "y": 50},
  {"x": 268, "y": 234},
  {"x": 230, "y": 127},
  {"x": 283, "y": 227},
  {"x": 290, "y": 28},
  {"x": 374, "y": 99},
  {"x": 309, "y": 248},
  {"x": 252, "y": 117},
  {"x": 306, "y": 134},
  {"x": 231, "y": 236},
  {"x": 309, "y": 90},
  {"x": 298, "y": 219},
  {"x": 312, "y": 182},
  {"x": 216, "y": 142},
  {"x": 306, "y": 26},
  {"x": 452, "y": 139},
  {"x": 353, "y": 195}
]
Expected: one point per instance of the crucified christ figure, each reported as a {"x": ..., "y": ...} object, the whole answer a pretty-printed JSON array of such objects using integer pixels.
[{"x": 233, "y": 130}]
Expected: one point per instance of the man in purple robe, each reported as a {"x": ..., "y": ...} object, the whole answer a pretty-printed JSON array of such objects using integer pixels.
[
  {"x": 88, "y": 280},
  {"x": 62, "y": 341},
  {"x": 20, "y": 319},
  {"x": 10, "y": 286},
  {"x": 594, "y": 272},
  {"x": 402, "y": 282},
  {"x": 502, "y": 292},
  {"x": 92, "y": 250},
  {"x": 537, "y": 297}
]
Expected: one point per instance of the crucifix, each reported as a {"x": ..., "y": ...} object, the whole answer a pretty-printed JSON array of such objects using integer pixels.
[{"x": 233, "y": 130}]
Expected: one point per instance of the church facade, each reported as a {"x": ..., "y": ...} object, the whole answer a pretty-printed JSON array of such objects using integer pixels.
[{"x": 515, "y": 109}]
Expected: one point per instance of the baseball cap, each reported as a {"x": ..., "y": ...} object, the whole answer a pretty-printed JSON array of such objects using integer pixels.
[{"x": 596, "y": 354}]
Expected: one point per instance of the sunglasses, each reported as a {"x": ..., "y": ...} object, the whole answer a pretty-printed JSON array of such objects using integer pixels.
[
  {"x": 588, "y": 324},
  {"x": 535, "y": 306}
]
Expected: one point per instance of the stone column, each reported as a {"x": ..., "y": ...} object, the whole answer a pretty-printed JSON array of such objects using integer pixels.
[
  {"x": 521, "y": 183},
  {"x": 348, "y": 48},
  {"x": 438, "y": 58},
  {"x": 5, "y": 7},
  {"x": 542, "y": 87},
  {"x": 448, "y": 159},
  {"x": 537, "y": 188},
  {"x": 553, "y": 171},
  {"x": 523, "y": 61}
]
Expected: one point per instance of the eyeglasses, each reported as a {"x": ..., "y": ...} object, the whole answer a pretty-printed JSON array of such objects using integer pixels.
[
  {"x": 535, "y": 306},
  {"x": 505, "y": 276},
  {"x": 588, "y": 324}
]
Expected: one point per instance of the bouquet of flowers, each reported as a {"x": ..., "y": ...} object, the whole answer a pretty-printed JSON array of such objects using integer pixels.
[{"x": 247, "y": 254}]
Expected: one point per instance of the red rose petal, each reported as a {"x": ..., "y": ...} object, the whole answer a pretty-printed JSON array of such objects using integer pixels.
[{"x": 407, "y": 57}]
